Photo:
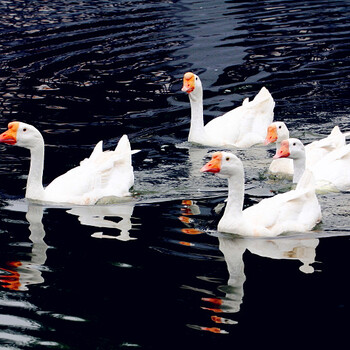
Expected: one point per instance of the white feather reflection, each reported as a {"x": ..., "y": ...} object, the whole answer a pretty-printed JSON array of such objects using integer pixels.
[
  {"x": 21, "y": 273},
  {"x": 303, "y": 250},
  {"x": 97, "y": 215},
  {"x": 299, "y": 248},
  {"x": 233, "y": 249}
]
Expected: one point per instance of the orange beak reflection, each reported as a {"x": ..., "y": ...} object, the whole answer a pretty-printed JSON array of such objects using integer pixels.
[
  {"x": 188, "y": 82},
  {"x": 185, "y": 219},
  {"x": 214, "y": 330},
  {"x": 187, "y": 244},
  {"x": 217, "y": 301},
  {"x": 191, "y": 231},
  {"x": 283, "y": 152},
  {"x": 187, "y": 202},
  {"x": 11, "y": 278}
]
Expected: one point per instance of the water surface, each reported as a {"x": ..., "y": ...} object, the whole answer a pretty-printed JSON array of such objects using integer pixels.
[{"x": 152, "y": 272}]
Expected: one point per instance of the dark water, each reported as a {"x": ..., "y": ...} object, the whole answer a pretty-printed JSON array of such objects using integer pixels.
[{"x": 166, "y": 278}]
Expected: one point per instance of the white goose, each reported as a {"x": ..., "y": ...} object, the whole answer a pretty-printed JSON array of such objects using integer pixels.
[
  {"x": 332, "y": 172},
  {"x": 104, "y": 174},
  {"x": 314, "y": 151},
  {"x": 242, "y": 127},
  {"x": 297, "y": 210},
  {"x": 278, "y": 132}
]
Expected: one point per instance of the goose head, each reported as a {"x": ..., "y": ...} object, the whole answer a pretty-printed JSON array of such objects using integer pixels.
[
  {"x": 192, "y": 85},
  {"x": 276, "y": 131},
  {"x": 290, "y": 148},
  {"x": 224, "y": 165},
  {"x": 22, "y": 135}
]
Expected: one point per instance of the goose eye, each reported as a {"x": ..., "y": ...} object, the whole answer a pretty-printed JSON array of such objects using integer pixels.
[
  {"x": 280, "y": 127},
  {"x": 294, "y": 144},
  {"x": 25, "y": 129},
  {"x": 227, "y": 159}
]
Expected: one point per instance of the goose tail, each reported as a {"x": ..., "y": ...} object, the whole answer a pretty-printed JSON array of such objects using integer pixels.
[{"x": 263, "y": 102}]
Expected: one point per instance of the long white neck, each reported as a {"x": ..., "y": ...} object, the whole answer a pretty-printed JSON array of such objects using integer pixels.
[
  {"x": 235, "y": 198},
  {"x": 197, "y": 123},
  {"x": 35, "y": 189},
  {"x": 299, "y": 168}
]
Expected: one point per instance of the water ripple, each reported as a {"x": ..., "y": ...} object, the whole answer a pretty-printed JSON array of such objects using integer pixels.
[{"x": 82, "y": 71}]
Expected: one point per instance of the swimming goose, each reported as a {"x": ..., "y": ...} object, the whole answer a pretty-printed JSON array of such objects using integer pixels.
[
  {"x": 278, "y": 132},
  {"x": 297, "y": 210},
  {"x": 242, "y": 127},
  {"x": 314, "y": 151},
  {"x": 332, "y": 172},
  {"x": 103, "y": 174}
]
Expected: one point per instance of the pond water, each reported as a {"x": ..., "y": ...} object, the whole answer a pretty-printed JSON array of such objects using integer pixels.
[{"x": 152, "y": 271}]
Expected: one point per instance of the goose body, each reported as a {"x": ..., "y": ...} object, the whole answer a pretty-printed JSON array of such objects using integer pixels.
[
  {"x": 314, "y": 151},
  {"x": 332, "y": 172},
  {"x": 242, "y": 127},
  {"x": 297, "y": 210},
  {"x": 103, "y": 174}
]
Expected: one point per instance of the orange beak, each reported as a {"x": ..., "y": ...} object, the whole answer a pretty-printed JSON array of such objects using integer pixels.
[
  {"x": 271, "y": 135},
  {"x": 283, "y": 152},
  {"x": 214, "y": 165},
  {"x": 10, "y": 136},
  {"x": 188, "y": 82}
]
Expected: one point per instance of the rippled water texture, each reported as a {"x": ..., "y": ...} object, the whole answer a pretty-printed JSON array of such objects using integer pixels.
[{"x": 152, "y": 272}]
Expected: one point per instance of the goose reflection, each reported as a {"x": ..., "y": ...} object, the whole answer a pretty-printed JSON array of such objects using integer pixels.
[
  {"x": 96, "y": 216},
  {"x": 17, "y": 275},
  {"x": 302, "y": 249},
  {"x": 233, "y": 250}
]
